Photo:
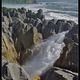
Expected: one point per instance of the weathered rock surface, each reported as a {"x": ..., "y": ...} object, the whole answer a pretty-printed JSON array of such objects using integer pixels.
[
  {"x": 22, "y": 29},
  {"x": 24, "y": 33},
  {"x": 13, "y": 71},
  {"x": 59, "y": 74},
  {"x": 69, "y": 57}
]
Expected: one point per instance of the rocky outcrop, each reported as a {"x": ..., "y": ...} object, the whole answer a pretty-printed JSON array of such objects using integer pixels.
[
  {"x": 13, "y": 71},
  {"x": 69, "y": 57},
  {"x": 22, "y": 29},
  {"x": 8, "y": 49},
  {"x": 24, "y": 33},
  {"x": 59, "y": 74}
]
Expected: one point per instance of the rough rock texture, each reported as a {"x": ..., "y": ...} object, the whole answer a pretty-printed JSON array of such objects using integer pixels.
[
  {"x": 59, "y": 74},
  {"x": 22, "y": 29},
  {"x": 8, "y": 49},
  {"x": 13, "y": 71},
  {"x": 48, "y": 30},
  {"x": 24, "y": 33},
  {"x": 69, "y": 57}
]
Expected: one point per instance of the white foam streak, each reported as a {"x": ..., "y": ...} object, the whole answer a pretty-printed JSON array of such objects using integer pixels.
[
  {"x": 49, "y": 52},
  {"x": 52, "y": 15},
  {"x": 48, "y": 15}
]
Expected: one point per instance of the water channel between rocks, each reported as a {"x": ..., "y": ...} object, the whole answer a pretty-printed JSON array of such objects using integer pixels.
[{"x": 49, "y": 52}]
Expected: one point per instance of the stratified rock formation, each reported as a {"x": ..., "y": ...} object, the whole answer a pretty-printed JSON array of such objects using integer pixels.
[
  {"x": 22, "y": 29},
  {"x": 69, "y": 57}
]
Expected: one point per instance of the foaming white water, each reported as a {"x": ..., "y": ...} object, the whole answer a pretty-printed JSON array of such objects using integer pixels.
[
  {"x": 49, "y": 52},
  {"x": 52, "y": 15},
  {"x": 27, "y": 6},
  {"x": 62, "y": 11},
  {"x": 48, "y": 15}
]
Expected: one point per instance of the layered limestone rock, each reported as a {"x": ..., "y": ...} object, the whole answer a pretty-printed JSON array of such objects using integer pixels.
[
  {"x": 69, "y": 57},
  {"x": 13, "y": 71},
  {"x": 24, "y": 36},
  {"x": 8, "y": 49},
  {"x": 22, "y": 30}
]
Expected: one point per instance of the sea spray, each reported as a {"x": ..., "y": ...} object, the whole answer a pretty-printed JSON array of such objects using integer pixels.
[{"x": 49, "y": 52}]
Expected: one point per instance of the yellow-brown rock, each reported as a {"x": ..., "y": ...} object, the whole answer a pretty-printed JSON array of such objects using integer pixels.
[{"x": 8, "y": 49}]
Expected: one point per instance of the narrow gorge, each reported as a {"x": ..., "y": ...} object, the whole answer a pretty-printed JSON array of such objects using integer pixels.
[{"x": 34, "y": 48}]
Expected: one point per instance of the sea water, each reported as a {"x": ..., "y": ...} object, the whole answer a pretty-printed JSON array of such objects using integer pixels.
[{"x": 59, "y": 9}]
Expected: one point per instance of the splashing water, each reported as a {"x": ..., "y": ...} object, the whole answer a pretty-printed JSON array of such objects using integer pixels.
[{"x": 49, "y": 52}]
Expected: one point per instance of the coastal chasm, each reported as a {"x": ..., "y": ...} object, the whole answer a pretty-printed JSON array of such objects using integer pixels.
[{"x": 28, "y": 36}]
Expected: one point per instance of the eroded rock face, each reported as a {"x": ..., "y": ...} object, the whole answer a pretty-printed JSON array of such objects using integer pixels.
[
  {"x": 13, "y": 71},
  {"x": 59, "y": 74},
  {"x": 73, "y": 33},
  {"x": 26, "y": 30},
  {"x": 24, "y": 36},
  {"x": 69, "y": 57},
  {"x": 48, "y": 30},
  {"x": 6, "y": 20}
]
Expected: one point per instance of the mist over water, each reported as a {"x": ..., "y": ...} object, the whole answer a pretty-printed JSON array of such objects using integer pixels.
[{"x": 49, "y": 52}]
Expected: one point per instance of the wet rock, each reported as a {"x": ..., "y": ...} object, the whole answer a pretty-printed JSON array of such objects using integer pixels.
[
  {"x": 22, "y": 10},
  {"x": 66, "y": 26},
  {"x": 48, "y": 30},
  {"x": 59, "y": 74},
  {"x": 59, "y": 25},
  {"x": 71, "y": 22},
  {"x": 29, "y": 14},
  {"x": 24, "y": 33},
  {"x": 69, "y": 57},
  {"x": 54, "y": 21},
  {"x": 38, "y": 21},
  {"x": 22, "y": 16},
  {"x": 40, "y": 14},
  {"x": 39, "y": 27},
  {"x": 5, "y": 10},
  {"x": 73, "y": 33},
  {"x": 27, "y": 29}
]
